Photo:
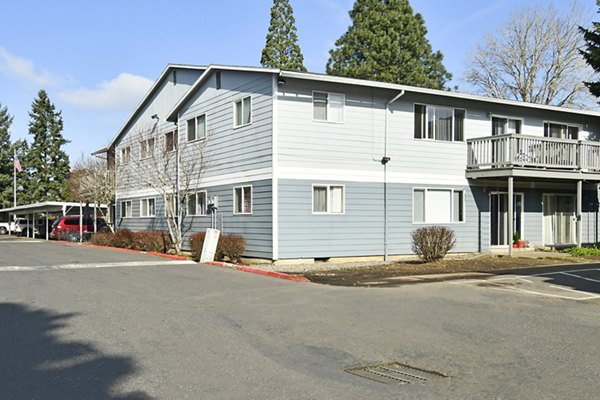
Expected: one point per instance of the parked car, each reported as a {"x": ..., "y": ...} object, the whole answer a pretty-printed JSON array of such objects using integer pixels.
[
  {"x": 67, "y": 228},
  {"x": 20, "y": 227}
]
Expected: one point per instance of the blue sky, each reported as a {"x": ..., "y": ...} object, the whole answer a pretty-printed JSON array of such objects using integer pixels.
[{"x": 97, "y": 59}]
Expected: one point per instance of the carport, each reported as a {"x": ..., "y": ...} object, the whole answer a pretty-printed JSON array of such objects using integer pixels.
[{"x": 51, "y": 208}]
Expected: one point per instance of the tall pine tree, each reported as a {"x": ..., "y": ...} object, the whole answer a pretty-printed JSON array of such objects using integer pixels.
[
  {"x": 282, "y": 49},
  {"x": 591, "y": 53},
  {"x": 386, "y": 42},
  {"x": 6, "y": 159},
  {"x": 46, "y": 163}
]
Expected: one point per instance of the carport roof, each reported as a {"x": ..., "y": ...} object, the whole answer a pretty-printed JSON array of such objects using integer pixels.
[{"x": 47, "y": 206}]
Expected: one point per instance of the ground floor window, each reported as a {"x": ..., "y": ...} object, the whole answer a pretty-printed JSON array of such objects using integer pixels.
[
  {"x": 196, "y": 203},
  {"x": 147, "y": 207},
  {"x": 126, "y": 209},
  {"x": 242, "y": 200},
  {"x": 438, "y": 205},
  {"x": 328, "y": 199}
]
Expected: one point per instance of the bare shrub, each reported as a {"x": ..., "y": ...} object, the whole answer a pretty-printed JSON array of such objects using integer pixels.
[
  {"x": 156, "y": 241},
  {"x": 432, "y": 243},
  {"x": 196, "y": 243},
  {"x": 232, "y": 246},
  {"x": 102, "y": 238},
  {"x": 124, "y": 239}
]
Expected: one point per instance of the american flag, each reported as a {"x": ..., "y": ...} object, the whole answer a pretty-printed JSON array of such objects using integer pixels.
[{"x": 18, "y": 165}]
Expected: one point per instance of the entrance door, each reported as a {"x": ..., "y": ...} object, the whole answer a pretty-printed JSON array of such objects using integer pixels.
[
  {"x": 559, "y": 219},
  {"x": 499, "y": 229}
]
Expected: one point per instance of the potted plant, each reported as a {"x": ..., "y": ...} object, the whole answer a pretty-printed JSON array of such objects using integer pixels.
[
  {"x": 522, "y": 243},
  {"x": 516, "y": 239}
]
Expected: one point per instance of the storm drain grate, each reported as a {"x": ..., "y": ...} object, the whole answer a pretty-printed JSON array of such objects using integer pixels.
[{"x": 395, "y": 373}]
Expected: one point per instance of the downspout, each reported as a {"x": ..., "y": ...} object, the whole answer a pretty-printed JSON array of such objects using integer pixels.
[{"x": 384, "y": 161}]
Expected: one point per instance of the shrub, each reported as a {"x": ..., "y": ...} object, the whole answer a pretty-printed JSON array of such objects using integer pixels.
[
  {"x": 232, "y": 246},
  {"x": 102, "y": 238},
  {"x": 432, "y": 243},
  {"x": 124, "y": 239},
  {"x": 156, "y": 241},
  {"x": 583, "y": 251},
  {"x": 196, "y": 243}
]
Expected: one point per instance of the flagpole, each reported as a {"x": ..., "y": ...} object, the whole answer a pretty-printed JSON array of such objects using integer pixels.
[{"x": 14, "y": 178}]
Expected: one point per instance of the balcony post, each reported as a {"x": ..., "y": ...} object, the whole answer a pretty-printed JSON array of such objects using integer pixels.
[
  {"x": 511, "y": 217},
  {"x": 578, "y": 222}
]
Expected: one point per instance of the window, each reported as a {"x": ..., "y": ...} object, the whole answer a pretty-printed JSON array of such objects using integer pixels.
[
  {"x": 328, "y": 106},
  {"x": 171, "y": 141},
  {"x": 439, "y": 123},
  {"x": 146, "y": 148},
  {"x": 125, "y": 155},
  {"x": 328, "y": 199},
  {"x": 438, "y": 206},
  {"x": 502, "y": 125},
  {"x": 126, "y": 209},
  {"x": 196, "y": 128},
  {"x": 242, "y": 200},
  {"x": 562, "y": 131},
  {"x": 242, "y": 112},
  {"x": 147, "y": 208},
  {"x": 170, "y": 210},
  {"x": 196, "y": 203}
]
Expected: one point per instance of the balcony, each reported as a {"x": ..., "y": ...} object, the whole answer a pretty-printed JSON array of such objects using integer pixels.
[{"x": 532, "y": 156}]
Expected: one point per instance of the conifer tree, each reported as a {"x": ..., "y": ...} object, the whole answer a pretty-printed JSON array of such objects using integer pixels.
[
  {"x": 386, "y": 42},
  {"x": 282, "y": 49},
  {"x": 6, "y": 159},
  {"x": 46, "y": 163},
  {"x": 591, "y": 52}
]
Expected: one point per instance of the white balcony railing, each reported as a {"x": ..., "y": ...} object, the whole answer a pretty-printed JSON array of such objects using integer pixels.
[{"x": 514, "y": 150}]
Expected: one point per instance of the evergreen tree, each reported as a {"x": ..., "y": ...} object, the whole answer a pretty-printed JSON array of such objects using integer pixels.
[
  {"x": 46, "y": 163},
  {"x": 6, "y": 159},
  {"x": 282, "y": 49},
  {"x": 591, "y": 52},
  {"x": 386, "y": 42}
]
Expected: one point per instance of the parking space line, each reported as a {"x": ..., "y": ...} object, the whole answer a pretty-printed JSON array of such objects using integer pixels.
[
  {"x": 580, "y": 277},
  {"x": 16, "y": 268},
  {"x": 571, "y": 270}
]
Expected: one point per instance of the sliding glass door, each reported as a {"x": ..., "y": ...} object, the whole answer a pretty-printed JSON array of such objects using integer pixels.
[
  {"x": 559, "y": 219},
  {"x": 499, "y": 220}
]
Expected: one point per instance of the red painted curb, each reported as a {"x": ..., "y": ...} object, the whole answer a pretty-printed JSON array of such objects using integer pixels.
[
  {"x": 254, "y": 270},
  {"x": 152, "y": 253}
]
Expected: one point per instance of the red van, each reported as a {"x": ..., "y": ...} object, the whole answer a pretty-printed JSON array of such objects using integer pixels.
[{"x": 67, "y": 228}]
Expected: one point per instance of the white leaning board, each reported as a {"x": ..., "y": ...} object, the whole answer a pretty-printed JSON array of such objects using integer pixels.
[{"x": 210, "y": 245}]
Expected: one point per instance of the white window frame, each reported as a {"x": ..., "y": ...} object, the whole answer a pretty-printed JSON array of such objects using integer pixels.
[
  {"x": 198, "y": 208},
  {"x": 175, "y": 134},
  {"x": 195, "y": 119},
  {"x": 147, "y": 201},
  {"x": 328, "y": 186},
  {"x": 426, "y": 126},
  {"x": 567, "y": 125},
  {"x": 127, "y": 206},
  {"x": 452, "y": 191},
  {"x": 243, "y": 198},
  {"x": 507, "y": 117},
  {"x": 169, "y": 202},
  {"x": 343, "y": 120},
  {"x": 150, "y": 152},
  {"x": 126, "y": 150},
  {"x": 240, "y": 100}
]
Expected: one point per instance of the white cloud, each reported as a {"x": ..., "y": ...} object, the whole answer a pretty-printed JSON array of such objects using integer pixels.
[
  {"x": 24, "y": 69},
  {"x": 123, "y": 92}
]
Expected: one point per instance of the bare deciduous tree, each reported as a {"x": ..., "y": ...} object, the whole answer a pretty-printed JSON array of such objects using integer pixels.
[
  {"x": 171, "y": 168},
  {"x": 534, "y": 58},
  {"x": 92, "y": 182}
]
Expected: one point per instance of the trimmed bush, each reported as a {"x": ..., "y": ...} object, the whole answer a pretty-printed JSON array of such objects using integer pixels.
[
  {"x": 232, "y": 246},
  {"x": 432, "y": 243},
  {"x": 102, "y": 238},
  {"x": 124, "y": 239},
  {"x": 196, "y": 243},
  {"x": 583, "y": 251},
  {"x": 156, "y": 241}
]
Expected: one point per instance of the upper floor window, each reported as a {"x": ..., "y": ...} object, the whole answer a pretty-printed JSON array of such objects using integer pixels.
[
  {"x": 328, "y": 106},
  {"x": 328, "y": 199},
  {"x": 242, "y": 112},
  {"x": 196, "y": 203},
  {"x": 125, "y": 155},
  {"x": 126, "y": 209},
  {"x": 438, "y": 206},
  {"x": 147, "y": 207},
  {"x": 503, "y": 125},
  {"x": 562, "y": 131},
  {"x": 439, "y": 123},
  {"x": 196, "y": 128},
  {"x": 242, "y": 200},
  {"x": 171, "y": 141},
  {"x": 147, "y": 148}
]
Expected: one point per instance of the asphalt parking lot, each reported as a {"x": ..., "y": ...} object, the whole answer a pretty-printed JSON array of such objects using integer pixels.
[{"x": 84, "y": 323}]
